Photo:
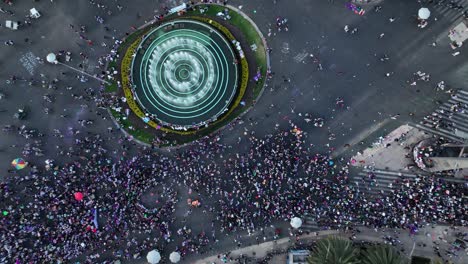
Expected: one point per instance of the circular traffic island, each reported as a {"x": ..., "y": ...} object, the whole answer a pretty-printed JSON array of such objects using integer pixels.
[
  {"x": 184, "y": 74},
  {"x": 186, "y": 77}
]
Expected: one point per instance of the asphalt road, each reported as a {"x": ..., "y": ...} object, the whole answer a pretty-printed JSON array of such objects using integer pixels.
[
  {"x": 351, "y": 69},
  {"x": 351, "y": 66}
]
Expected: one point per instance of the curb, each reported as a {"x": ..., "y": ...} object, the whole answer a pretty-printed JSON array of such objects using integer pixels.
[
  {"x": 116, "y": 123},
  {"x": 265, "y": 84}
]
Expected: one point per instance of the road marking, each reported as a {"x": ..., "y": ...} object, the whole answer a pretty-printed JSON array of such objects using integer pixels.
[
  {"x": 396, "y": 173},
  {"x": 300, "y": 57},
  {"x": 360, "y": 137},
  {"x": 285, "y": 48},
  {"x": 29, "y": 62}
]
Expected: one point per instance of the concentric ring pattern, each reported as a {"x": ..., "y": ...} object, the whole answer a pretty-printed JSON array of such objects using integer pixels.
[{"x": 184, "y": 74}]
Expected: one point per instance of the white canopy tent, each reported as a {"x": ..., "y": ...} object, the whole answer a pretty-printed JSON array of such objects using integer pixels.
[
  {"x": 296, "y": 222},
  {"x": 51, "y": 58},
  {"x": 33, "y": 13},
  {"x": 153, "y": 257},
  {"x": 174, "y": 257},
  {"x": 424, "y": 13}
]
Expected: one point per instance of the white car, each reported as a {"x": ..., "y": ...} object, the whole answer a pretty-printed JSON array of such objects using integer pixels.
[{"x": 11, "y": 25}]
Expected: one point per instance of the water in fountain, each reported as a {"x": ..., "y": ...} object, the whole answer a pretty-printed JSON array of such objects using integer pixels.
[{"x": 182, "y": 51}]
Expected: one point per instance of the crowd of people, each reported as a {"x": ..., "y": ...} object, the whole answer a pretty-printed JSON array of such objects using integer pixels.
[{"x": 276, "y": 178}]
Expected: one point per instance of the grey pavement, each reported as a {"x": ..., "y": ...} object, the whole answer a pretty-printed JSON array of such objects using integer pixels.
[{"x": 420, "y": 244}]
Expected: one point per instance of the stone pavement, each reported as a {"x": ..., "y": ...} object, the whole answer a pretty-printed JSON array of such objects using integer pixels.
[
  {"x": 263, "y": 249},
  {"x": 390, "y": 152},
  {"x": 394, "y": 151}
]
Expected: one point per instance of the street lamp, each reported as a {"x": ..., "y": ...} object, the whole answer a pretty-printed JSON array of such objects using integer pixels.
[{"x": 52, "y": 58}]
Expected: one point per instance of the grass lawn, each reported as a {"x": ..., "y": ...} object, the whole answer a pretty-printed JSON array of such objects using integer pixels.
[
  {"x": 139, "y": 134},
  {"x": 111, "y": 88},
  {"x": 251, "y": 36}
]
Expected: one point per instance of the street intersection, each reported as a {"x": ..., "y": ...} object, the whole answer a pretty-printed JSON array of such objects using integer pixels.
[{"x": 316, "y": 64}]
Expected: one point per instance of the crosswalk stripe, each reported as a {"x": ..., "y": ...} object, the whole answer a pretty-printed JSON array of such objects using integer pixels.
[
  {"x": 447, "y": 109},
  {"x": 380, "y": 185},
  {"x": 447, "y": 12},
  {"x": 459, "y": 122},
  {"x": 461, "y": 99},
  {"x": 385, "y": 176},
  {"x": 456, "y": 101},
  {"x": 410, "y": 175},
  {"x": 463, "y": 92},
  {"x": 383, "y": 182},
  {"x": 310, "y": 224},
  {"x": 436, "y": 132},
  {"x": 396, "y": 173},
  {"x": 455, "y": 118},
  {"x": 458, "y": 127},
  {"x": 454, "y": 121}
]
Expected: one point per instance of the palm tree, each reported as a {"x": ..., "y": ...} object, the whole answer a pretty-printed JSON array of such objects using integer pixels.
[
  {"x": 334, "y": 250},
  {"x": 383, "y": 255}
]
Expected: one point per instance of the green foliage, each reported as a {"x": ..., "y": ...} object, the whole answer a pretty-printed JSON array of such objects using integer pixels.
[
  {"x": 420, "y": 260},
  {"x": 137, "y": 133},
  {"x": 111, "y": 88},
  {"x": 252, "y": 37},
  {"x": 334, "y": 250},
  {"x": 382, "y": 255}
]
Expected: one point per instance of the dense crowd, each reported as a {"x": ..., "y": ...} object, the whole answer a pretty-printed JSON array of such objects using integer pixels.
[{"x": 277, "y": 177}]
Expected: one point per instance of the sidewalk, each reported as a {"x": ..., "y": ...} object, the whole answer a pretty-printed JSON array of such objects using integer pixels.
[
  {"x": 263, "y": 249},
  {"x": 389, "y": 152},
  {"x": 420, "y": 244}
]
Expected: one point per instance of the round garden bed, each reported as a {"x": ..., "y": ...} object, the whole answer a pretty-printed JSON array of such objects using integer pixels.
[
  {"x": 184, "y": 74},
  {"x": 188, "y": 76}
]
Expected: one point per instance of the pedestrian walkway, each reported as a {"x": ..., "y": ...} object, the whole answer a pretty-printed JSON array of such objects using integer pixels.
[
  {"x": 309, "y": 224},
  {"x": 450, "y": 120},
  {"x": 260, "y": 251},
  {"x": 382, "y": 182},
  {"x": 451, "y": 10}
]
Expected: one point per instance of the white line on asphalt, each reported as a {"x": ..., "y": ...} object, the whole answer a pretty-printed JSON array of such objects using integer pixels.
[
  {"x": 394, "y": 173},
  {"x": 436, "y": 132}
]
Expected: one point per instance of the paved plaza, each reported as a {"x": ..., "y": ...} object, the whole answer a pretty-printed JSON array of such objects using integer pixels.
[{"x": 314, "y": 144}]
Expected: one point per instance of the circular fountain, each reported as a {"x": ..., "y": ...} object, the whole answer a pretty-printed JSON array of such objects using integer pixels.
[{"x": 184, "y": 74}]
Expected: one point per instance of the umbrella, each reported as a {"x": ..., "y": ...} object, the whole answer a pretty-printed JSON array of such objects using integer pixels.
[
  {"x": 296, "y": 222},
  {"x": 78, "y": 196},
  {"x": 174, "y": 257},
  {"x": 153, "y": 256},
  {"x": 19, "y": 163},
  {"x": 51, "y": 58},
  {"x": 424, "y": 13}
]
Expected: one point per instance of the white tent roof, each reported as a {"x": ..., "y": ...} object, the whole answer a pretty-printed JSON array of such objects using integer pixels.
[
  {"x": 424, "y": 13},
  {"x": 174, "y": 257},
  {"x": 153, "y": 257},
  {"x": 296, "y": 222},
  {"x": 51, "y": 58}
]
